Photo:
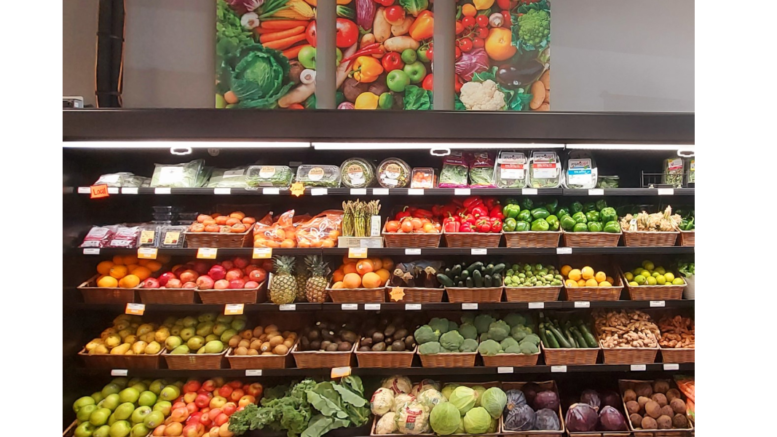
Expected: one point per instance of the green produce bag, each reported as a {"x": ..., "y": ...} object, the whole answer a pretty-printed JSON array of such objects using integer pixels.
[{"x": 540, "y": 225}]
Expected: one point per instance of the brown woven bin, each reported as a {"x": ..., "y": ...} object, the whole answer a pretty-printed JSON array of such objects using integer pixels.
[
  {"x": 194, "y": 361},
  {"x": 591, "y": 239},
  {"x": 322, "y": 360},
  {"x": 358, "y": 295},
  {"x": 655, "y": 292},
  {"x": 94, "y": 294},
  {"x": 218, "y": 239},
  {"x": 474, "y": 295},
  {"x": 532, "y": 294},
  {"x": 532, "y": 239},
  {"x": 625, "y": 384},
  {"x": 472, "y": 239},
  {"x": 544, "y": 385},
  {"x": 394, "y": 239},
  {"x": 687, "y": 238},
  {"x": 223, "y": 297},
  {"x": 600, "y": 433},
  {"x": 649, "y": 239},
  {"x": 629, "y": 355},
  {"x": 259, "y": 361},
  {"x": 510, "y": 360},
  {"x": 385, "y": 359},
  {"x": 108, "y": 361},
  {"x": 669, "y": 355},
  {"x": 458, "y": 359},
  {"x": 417, "y": 295},
  {"x": 375, "y": 434},
  {"x": 570, "y": 357},
  {"x": 173, "y": 296}
]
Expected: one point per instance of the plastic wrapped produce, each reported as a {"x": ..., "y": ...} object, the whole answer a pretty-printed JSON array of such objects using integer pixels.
[
  {"x": 319, "y": 175},
  {"x": 673, "y": 172},
  {"x": 423, "y": 177},
  {"x": 172, "y": 236},
  {"x": 99, "y": 236},
  {"x": 481, "y": 171},
  {"x": 454, "y": 171},
  {"x": 511, "y": 170},
  {"x": 122, "y": 179},
  {"x": 148, "y": 236},
  {"x": 608, "y": 182},
  {"x": 357, "y": 173},
  {"x": 185, "y": 175},
  {"x": 125, "y": 237},
  {"x": 581, "y": 172},
  {"x": 269, "y": 176},
  {"x": 544, "y": 170},
  {"x": 228, "y": 178},
  {"x": 393, "y": 173}
]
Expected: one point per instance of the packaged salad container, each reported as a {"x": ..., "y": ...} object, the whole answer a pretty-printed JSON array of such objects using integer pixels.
[
  {"x": 184, "y": 175},
  {"x": 393, "y": 173},
  {"x": 511, "y": 170},
  {"x": 319, "y": 175},
  {"x": 544, "y": 170},
  {"x": 454, "y": 171},
  {"x": 423, "y": 177},
  {"x": 228, "y": 178},
  {"x": 608, "y": 182},
  {"x": 268, "y": 176},
  {"x": 581, "y": 172},
  {"x": 482, "y": 171},
  {"x": 119, "y": 180},
  {"x": 357, "y": 173},
  {"x": 673, "y": 172}
]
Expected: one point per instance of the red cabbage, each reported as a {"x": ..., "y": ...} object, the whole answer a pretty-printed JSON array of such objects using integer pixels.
[
  {"x": 591, "y": 397},
  {"x": 612, "y": 399},
  {"x": 546, "y": 399},
  {"x": 520, "y": 418},
  {"x": 581, "y": 418},
  {"x": 547, "y": 420},
  {"x": 244, "y": 6},
  {"x": 530, "y": 390},
  {"x": 365, "y": 13},
  {"x": 472, "y": 62},
  {"x": 612, "y": 419}
]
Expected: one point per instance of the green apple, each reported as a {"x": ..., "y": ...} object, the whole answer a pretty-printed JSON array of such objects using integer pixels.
[
  {"x": 124, "y": 411},
  {"x": 133, "y": 381},
  {"x": 170, "y": 393},
  {"x": 147, "y": 399},
  {"x": 307, "y": 57},
  {"x": 409, "y": 56},
  {"x": 139, "y": 430},
  {"x": 158, "y": 384},
  {"x": 97, "y": 396},
  {"x": 99, "y": 417},
  {"x": 416, "y": 71},
  {"x": 84, "y": 412},
  {"x": 164, "y": 407},
  {"x": 110, "y": 389},
  {"x": 110, "y": 402},
  {"x": 238, "y": 324},
  {"x": 397, "y": 81},
  {"x": 129, "y": 394},
  {"x": 103, "y": 431},
  {"x": 386, "y": 101},
  {"x": 207, "y": 317},
  {"x": 82, "y": 402},
  {"x": 169, "y": 322},
  {"x": 339, "y": 57},
  {"x": 423, "y": 54},
  {"x": 179, "y": 384},
  {"x": 121, "y": 428},
  {"x": 154, "y": 419},
  {"x": 85, "y": 429},
  {"x": 140, "y": 387},
  {"x": 140, "y": 414},
  {"x": 121, "y": 381}
]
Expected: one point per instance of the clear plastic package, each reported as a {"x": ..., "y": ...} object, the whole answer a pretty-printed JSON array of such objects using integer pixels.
[
  {"x": 99, "y": 236},
  {"x": 511, "y": 170},
  {"x": 544, "y": 170},
  {"x": 581, "y": 172},
  {"x": 454, "y": 171},
  {"x": 149, "y": 236},
  {"x": 171, "y": 236},
  {"x": 423, "y": 177},
  {"x": 357, "y": 173},
  {"x": 125, "y": 237},
  {"x": 673, "y": 172},
  {"x": 269, "y": 176},
  {"x": 122, "y": 179},
  {"x": 692, "y": 171},
  {"x": 393, "y": 173},
  {"x": 228, "y": 178},
  {"x": 319, "y": 175},
  {"x": 481, "y": 171},
  {"x": 608, "y": 182},
  {"x": 204, "y": 177},
  {"x": 185, "y": 175}
]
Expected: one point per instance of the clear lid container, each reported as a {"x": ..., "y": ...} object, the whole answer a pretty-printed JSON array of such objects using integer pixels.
[
  {"x": 149, "y": 235},
  {"x": 544, "y": 170},
  {"x": 423, "y": 177},
  {"x": 394, "y": 173},
  {"x": 511, "y": 170},
  {"x": 269, "y": 176},
  {"x": 228, "y": 178},
  {"x": 319, "y": 175},
  {"x": 185, "y": 175},
  {"x": 171, "y": 236},
  {"x": 608, "y": 182},
  {"x": 357, "y": 173},
  {"x": 581, "y": 172},
  {"x": 673, "y": 172}
]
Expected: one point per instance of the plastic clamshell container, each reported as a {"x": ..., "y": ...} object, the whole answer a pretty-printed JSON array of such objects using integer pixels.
[
  {"x": 319, "y": 175},
  {"x": 423, "y": 177},
  {"x": 268, "y": 176}
]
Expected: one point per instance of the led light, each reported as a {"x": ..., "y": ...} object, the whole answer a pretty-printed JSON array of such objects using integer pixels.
[
  {"x": 428, "y": 146},
  {"x": 186, "y": 144},
  {"x": 631, "y": 146}
]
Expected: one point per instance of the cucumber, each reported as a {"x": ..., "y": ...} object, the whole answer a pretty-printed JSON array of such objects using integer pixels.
[
  {"x": 569, "y": 337},
  {"x": 589, "y": 338},
  {"x": 456, "y": 270},
  {"x": 477, "y": 277},
  {"x": 551, "y": 339},
  {"x": 447, "y": 271},
  {"x": 460, "y": 284},
  {"x": 464, "y": 275},
  {"x": 488, "y": 269},
  {"x": 499, "y": 267},
  {"x": 487, "y": 281},
  {"x": 543, "y": 337},
  {"x": 579, "y": 338},
  {"x": 562, "y": 341},
  {"x": 474, "y": 266},
  {"x": 470, "y": 283},
  {"x": 445, "y": 280},
  {"x": 497, "y": 281}
]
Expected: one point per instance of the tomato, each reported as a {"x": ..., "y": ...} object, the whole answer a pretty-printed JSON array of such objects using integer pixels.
[
  {"x": 468, "y": 21},
  {"x": 310, "y": 33},
  {"x": 465, "y": 45},
  {"x": 292, "y": 106},
  {"x": 347, "y": 33},
  {"x": 407, "y": 226},
  {"x": 482, "y": 21},
  {"x": 430, "y": 52},
  {"x": 392, "y": 226},
  {"x": 394, "y": 14},
  {"x": 482, "y": 32},
  {"x": 508, "y": 20},
  {"x": 458, "y": 53},
  {"x": 459, "y": 28},
  {"x": 385, "y": 2},
  {"x": 428, "y": 83},
  {"x": 478, "y": 43},
  {"x": 458, "y": 83},
  {"x": 507, "y": 4}
]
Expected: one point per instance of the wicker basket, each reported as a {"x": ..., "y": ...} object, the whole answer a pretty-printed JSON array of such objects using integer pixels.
[
  {"x": 458, "y": 359},
  {"x": 570, "y": 357},
  {"x": 358, "y": 295},
  {"x": 174, "y": 296},
  {"x": 472, "y": 239},
  {"x": 600, "y": 433},
  {"x": 597, "y": 293},
  {"x": 544, "y": 385},
  {"x": 629, "y": 355},
  {"x": 374, "y": 434},
  {"x": 218, "y": 239},
  {"x": 259, "y": 361},
  {"x": 223, "y": 297},
  {"x": 625, "y": 384},
  {"x": 687, "y": 238},
  {"x": 474, "y": 295},
  {"x": 393, "y": 239},
  {"x": 510, "y": 360},
  {"x": 655, "y": 292},
  {"x": 322, "y": 360},
  {"x": 108, "y": 361},
  {"x": 649, "y": 239},
  {"x": 386, "y": 359},
  {"x": 591, "y": 239},
  {"x": 532, "y": 294},
  {"x": 532, "y": 239},
  {"x": 669, "y": 355},
  {"x": 417, "y": 295},
  {"x": 94, "y": 294},
  {"x": 194, "y": 361},
  {"x": 70, "y": 430}
]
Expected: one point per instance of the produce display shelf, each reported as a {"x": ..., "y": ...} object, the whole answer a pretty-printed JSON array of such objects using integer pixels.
[
  {"x": 436, "y": 251},
  {"x": 631, "y": 192}
]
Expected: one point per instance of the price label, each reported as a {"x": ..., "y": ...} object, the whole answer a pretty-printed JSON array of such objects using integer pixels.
[
  {"x": 469, "y": 306},
  {"x": 297, "y": 189},
  {"x": 596, "y": 192},
  {"x": 92, "y": 251},
  {"x": 162, "y": 190},
  {"x": 133, "y": 190},
  {"x": 358, "y": 191},
  {"x": 396, "y": 294},
  {"x": 207, "y": 253},
  {"x": 536, "y": 305},
  {"x": 505, "y": 370},
  {"x": 357, "y": 252},
  {"x": 288, "y": 307},
  {"x": 233, "y": 309},
  {"x": 666, "y": 191},
  {"x": 462, "y": 192},
  {"x": 412, "y": 251},
  {"x": 479, "y": 252},
  {"x": 271, "y": 191},
  {"x": 349, "y": 307},
  {"x": 113, "y": 190},
  {"x": 222, "y": 191},
  {"x": 563, "y": 251},
  {"x": 147, "y": 252},
  {"x": 638, "y": 367},
  {"x": 262, "y": 253},
  {"x": 380, "y": 191},
  {"x": 529, "y": 191},
  {"x": 558, "y": 369},
  {"x": 412, "y": 307},
  {"x": 319, "y": 191},
  {"x": 84, "y": 190},
  {"x": 668, "y": 366},
  {"x": 584, "y": 304},
  {"x": 372, "y": 306},
  {"x": 118, "y": 372},
  {"x": 98, "y": 191},
  {"x": 136, "y": 309},
  {"x": 340, "y": 372},
  {"x": 253, "y": 372},
  {"x": 415, "y": 192},
  {"x": 657, "y": 304}
]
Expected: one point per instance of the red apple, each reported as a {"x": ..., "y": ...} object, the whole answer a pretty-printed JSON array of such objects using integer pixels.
[
  {"x": 235, "y": 384},
  {"x": 191, "y": 386},
  {"x": 239, "y": 409},
  {"x": 221, "y": 284},
  {"x": 229, "y": 408},
  {"x": 206, "y": 409},
  {"x": 205, "y": 282},
  {"x": 202, "y": 401},
  {"x": 188, "y": 276},
  {"x": 246, "y": 400},
  {"x": 214, "y": 432},
  {"x": 192, "y": 408},
  {"x": 251, "y": 284},
  {"x": 189, "y": 397},
  {"x": 234, "y": 274},
  {"x": 245, "y": 388},
  {"x": 217, "y": 402},
  {"x": 174, "y": 283},
  {"x": 221, "y": 419},
  {"x": 205, "y": 420},
  {"x": 236, "y": 395},
  {"x": 237, "y": 283},
  {"x": 214, "y": 413},
  {"x": 190, "y": 285},
  {"x": 240, "y": 262},
  {"x": 181, "y": 269},
  {"x": 202, "y": 391},
  {"x": 151, "y": 283},
  {"x": 225, "y": 391},
  {"x": 258, "y": 275},
  {"x": 227, "y": 264},
  {"x": 194, "y": 429},
  {"x": 255, "y": 390},
  {"x": 179, "y": 415},
  {"x": 217, "y": 272},
  {"x": 201, "y": 267},
  {"x": 250, "y": 269},
  {"x": 267, "y": 265},
  {"x": 195, "y": 417},
  {"x": 209, "y": 385},
  {"x": 164, "y": 277},
  {"x": 219, "y": 380}
]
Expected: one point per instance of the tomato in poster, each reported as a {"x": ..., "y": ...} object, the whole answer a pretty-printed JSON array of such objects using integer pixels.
[
  {"x": 347, "y": 33},
  {"x": 392, "y": 61}
]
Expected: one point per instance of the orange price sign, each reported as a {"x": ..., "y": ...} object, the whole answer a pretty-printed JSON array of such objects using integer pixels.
[
  {"x": 357, "y": 252},
  {"x": 233, "y": 309},
  {"x": 147, "y": 252},
  {"x": 136, "y": 309},
  {"x": 98, "y": 191},
  {"x": 297, "y": 189},
  {"x": 340, "y": 372},
  {"x": 262, "y": 253},
  {"x": 207, "y": 253}
]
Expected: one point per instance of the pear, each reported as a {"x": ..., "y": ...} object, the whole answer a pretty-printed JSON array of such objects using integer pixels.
[
  {"x": 122, "y": 325},
  {"x": 195, "y": 342},
  {"x": 131, "y": 339},
  {"x": 189, "y": 322},
  {"x": 124, "y": 333},
  {"x": 138, "y": 347},
  {"x": 99, "y": 350},
  {"x": 214, "y": 347},
  {"x": 93, "y": 344},
  {"x": 112, "y": 341},
  {"x": 152, "y": 348},
  {"x": 201, "y": 350},
  {"x": 161, "y": 334},
  {"x": 148, "y": 337},
  {"x": 226, "y": 335},
  {"x": 120, "y": 349},
  {"x": 207, "y": 317},
  {"x": 129, "y": 352},
  {"x": 204, "y": 329},
  {"x": 224, "y": 319},
  {"x": 107, "y": 333},
  {"x": 169, "y": 322},
  {"x": 219, "y": 328},
  {"x": 176, "y": 330},
  {"x": 187, "y": 333},
  {"x": 182, "y": 349},
  {"x": 145, "y": 329},
  {"x": 173, "y": 342},
  {"x": 211, "y": 337}
]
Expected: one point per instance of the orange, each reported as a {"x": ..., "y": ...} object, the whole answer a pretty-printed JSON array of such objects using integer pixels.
[
  {"x": 288, "y": 243},
  {"x": 588, "y": 273},
  {"x": 581, "y": 283},
  {"x": 377, "y": 264},
  {"x": 609, "y": 279},
  {"x": 469, "y": 10},
  {"x": 591, "y": 283},
  {"x": 238, "y": 215},
  {"x": 338, "y": 284},
  {"x": 338, "y": 275},
  {"x": 130, "y": 259},
  {"x": 131, "y": 267},
  {"x": 154, "y": 265},
  {"x": 388, "y": 264},
  {"x": 327, "y": 243},
  {"x": 371, "y": 280},
  {"x": 499, "y": 45},
  {"x": 141, "y": 272},
  {"x": 565, "y": 270},
  {"x": 349, "y": 268},
  {"x": 363, "y": 267},
  {"x": 129, "y": 281},
  {"x": 605, "y": 284},
  {"x": 384, "y": 275},
  {"x": 232, "y": 221},
  {"x": 107, "y": 282},
  {"x": 143, "y": 262},
  {"x": 352, "y": 280},
  {"x": 104, "y": 267},
  {"x": 570, "y": 283},
  {"x": 302, "y": 243},
  {"x": 347, "y": 260},
  {"x": 221, "y": 220},
  {"x": 600, "y": 277},
  {"x": 118, "y": 259},
  {"x": 118, "y": 271},
  {"x": 575, "y": 274}
]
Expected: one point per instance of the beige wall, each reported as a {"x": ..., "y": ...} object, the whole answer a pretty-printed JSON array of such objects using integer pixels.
[{"x": 79, "y": 41}]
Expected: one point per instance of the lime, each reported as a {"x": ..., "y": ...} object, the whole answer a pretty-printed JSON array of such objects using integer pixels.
[
  {"x": 629, "y": 276},
  {"x": 637, "y": 271},
  {"x": 639, "y": 279},
  {"x": 660, "y": 270},
  {"x": 648, "y": 264},
  {"x": 669, "y": 276},
  {"x": 651, "y": 281},
  {"x": 660, "y": 280},
  {"x": 655, "y": 274},
  {"x": 678, "y": 281},
  {"x": 645, "y": 273},
  {"x": 633, "y": 284}
]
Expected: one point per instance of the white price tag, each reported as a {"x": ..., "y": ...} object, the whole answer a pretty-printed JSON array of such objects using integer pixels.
[
  {"x": 233, "y": 309},
  {"x": 372, "y": 306},
  {"x": 288, "y": 307},
  {"x": 162, "y": 190},
  {"x": 133, "y": 190},
  {"x": 462, "y": 192},
  {"x": 92, "y": 251},
  {"x": 666, "y": 191},
  {"x": 415, "y": 192},
  {"x": 84, "y": 190},
  {"x": 380, "y": 191},
  {"x": 222, "y": 191},
  {"x": 669, "y": 366},
  {"x": 583, "y": 304},
  {"x": 319, "y": 192},
  {"x": 505, "y": 369},
  {"x": 563, "y": 251},
  {"x": 558, "y": 369},
  {"x": 412, "y": 251},
  {"x": 596, "y": 192},
  {"x": 412, "y": 307},
  {"x": 536, "y": 305},
  {"x": 469, "y": 306},
  {"x": 118, "y": 372},
  {"x": 253, "y": 372},
  {"x": 358, "y": 191},
  {"x": 529, "y": 191},
  {"x": 479, "y": 252},
  {"x": 657, "y": 304},
  {"x": 113, "y": 190},
  {"x": 349, "y": 306},
  {"x": 271, "y": 191},
  {"x": 136, "y": 309},
  {"x": 638, "y": 367}
]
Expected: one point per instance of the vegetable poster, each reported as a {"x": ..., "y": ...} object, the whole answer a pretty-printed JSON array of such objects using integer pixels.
[{"x": 266, "y": 54}]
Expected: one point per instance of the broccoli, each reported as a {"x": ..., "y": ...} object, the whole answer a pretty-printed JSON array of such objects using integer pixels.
[
  {"x": 514, "y": 320},
  {"x": 498, "y": 330},
  {"x": 452, "y": 326},
  {"x": 531, "y": 338},
  {"x": 439, "y": 326},
  {"x": 507, "y": 342},
  {"x": 429, "y": 348},
  {"x": 528, "y": 348},
  {"x": 519, "y": 332},
  {"x": 467, "y": 318},
  {"x": 468, "y": 330},
  {"x": 483, "y": 337},
  {"x": 451, "y": 341},
  {"x": 514, "y": 349},
  {"x": 425, "y": 334},
  {"x": 469, "y": 345},
  {"x": 482, "y": 322},
  {"x": 489, "y": 348}
]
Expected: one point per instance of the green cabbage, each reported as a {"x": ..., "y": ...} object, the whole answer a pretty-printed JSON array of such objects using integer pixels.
[
  {"x": 258, "y": 78},
  {"x": 477, "y": 421},
  {"x": 448, "y": 390},
  {"x": 414, "y": 7},
  {"x": 494, "y": 401},
  {"x": 445, "y": 419},
  {"x": 463, "y": 398}
]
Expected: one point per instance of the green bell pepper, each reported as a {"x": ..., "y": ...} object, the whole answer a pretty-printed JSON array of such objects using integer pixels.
[
  {"x": 608, "y": 214},
  {"x": 562, "y": 212},
  {"x": 540, "y": 225},
  {"x": 511, "y": 201},
  {"x": 594, "y": 227},
  {"x": 551, "y": 206},
  {"x": 527, "y": 203},
  {"x": 539, "y": 213},
  {"x": 589, "y": 206},
  {"x": 553, "y": 222},
  {"x": 524, "y": 215},
  {"x": 580, "y": 227},
  {"x": 509, "y": 225},
  {"x": 511, "y": 210},
  {"x": 568, "y": 223},
  {"x": 521, "y": 226},
  {"x": 592, "y": 216},
  {"x": 601, "y": 204},
  {"x": 576, "y": 207},
  {"x": 612, "y": 227},
  {"x": 579, "y": 217}
]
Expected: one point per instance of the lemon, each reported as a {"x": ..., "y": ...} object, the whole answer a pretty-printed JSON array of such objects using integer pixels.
[
  {"x": 639, "y": 279},
  {"x": 637, "y": 271},
  {"x": 575, "y": 274},
  {"x": 605, "y": 284},
  {"x": 660, "y": 280},
  {"x": 591, "y": 283},
  {"x": 645, "y": 273},
  {"x": 648, "y": 264},
  {"x": 633, "y": 284},
  {"x": 669, "y": 277},
  {"x": 678, "y": 281},
  {"x": 600, "y": 277},
  {"x": 588, "y": 272},
  {"x": 570, "y": 283},
  {"x": 565, "y": 270},
  {"x": 651, "y": 281},
  {"x": 629, "y": 276},
  {"x": 656, "y": 274},
  {"x": 660, "y": 270}
]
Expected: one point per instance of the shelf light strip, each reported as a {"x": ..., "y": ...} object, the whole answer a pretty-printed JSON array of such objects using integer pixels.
[
  {"x": 187, "y": 144},
  {"x": 689, "y": 147},
  {"x": 426, "y": 146}
]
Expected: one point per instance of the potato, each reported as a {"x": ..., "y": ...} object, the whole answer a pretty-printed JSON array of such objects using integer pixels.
[
  {"x": 538, "y": 95},
  {"x": 402, "y": 43},
  {"x": 402, "y": 28},
  {"x": 380, "y": 27}
]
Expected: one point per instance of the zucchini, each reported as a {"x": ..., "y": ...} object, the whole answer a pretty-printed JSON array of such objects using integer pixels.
[
  {"x": 456, "y": 270},
  {"x": 488, "y": 269},
  {"x": 579, "y": 338},
  {"x": 487, "y": 281},
  {"x": 445, "y": 280},
  {"x": 569, "y": 337},
  {"x": 542, "y": 335},
  {"x": 589, "y": 338},
  {"x": 551, "y": 339},
  {"x": 474, "y": 266},
  {"x": 562, "y": 341},
  {"x": 470, "y": 283},
  {"x": 346, "y": 12},
  {"x": 477, "y": 278},
  {"x": 499, "y": 267}
]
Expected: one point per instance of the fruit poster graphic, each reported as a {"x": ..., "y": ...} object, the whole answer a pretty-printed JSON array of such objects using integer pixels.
[{"x": 503, "y": 55}]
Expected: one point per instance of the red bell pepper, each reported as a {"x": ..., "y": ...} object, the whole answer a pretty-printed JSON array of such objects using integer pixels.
[
  {"x": 422, "y": 213},
  {"x": 496, "y": 225},
  {"x": 496, "y": 212},
  {"x": 490, "y": 202},
  {"x": 479, "y": 211},
  {"x": 466, "y": 227},
  {"x": 406, "y": 212},
  {"x": 467, "y": 218},
  {"x": 451, "y": 225},
  {"x": 472, "y": 201},
  {"x": 483, "y": 225}
]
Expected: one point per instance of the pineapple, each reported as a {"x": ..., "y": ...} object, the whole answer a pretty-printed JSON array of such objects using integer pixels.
[
  {"x": 283, "y": 287},
  {"x": 315, "y": 288},
  {"x": 302, "y": 273}
]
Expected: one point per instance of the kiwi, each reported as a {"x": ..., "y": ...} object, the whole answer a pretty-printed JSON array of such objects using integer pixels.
[
  {"x": 400, "y": 333},
  {"x": 643, "y": 389},
  {"x": 660, "y": 386},
  {"x": 632, "y": 407},
  {"x": 673, "y": 394},
  {"x": 379, "y": 347},
  {"x": 364, "y": 349},
  {"x": 332, "y": 347},
  {"x": 409, "y": 342},
  {"x": 660, "y": 398},
  {"x": 314, "y": 345},
  {"x": 378, "y": 337},
  {"x": 398, "y": 346},
  {"x": 664, "y": 422},
  {"x": 305, "y": 343},
  {"x": 649, "y": 423},
  {"x": 366, "y": 341},
  {"x": 653, "y": 409},
  {"x": 313, "y": 335},
  {"x": 389, "y": 331},
  {"x": 349, "y": 336},
  {"x": 636, "y": 420},
  {"x": 325, "y": 344},
  {"x": 678, "y": 406},
  {"x": 680, "y": 421},
  {"x": 629, "y": 395},
  {"x": 344, "y": 346}
]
